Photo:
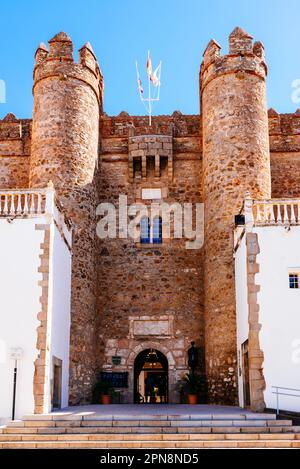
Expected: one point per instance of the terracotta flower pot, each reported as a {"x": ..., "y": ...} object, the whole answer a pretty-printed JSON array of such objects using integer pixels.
[
  {"x": 105, "y": 399},
  {"x": 192, "y": 399}
]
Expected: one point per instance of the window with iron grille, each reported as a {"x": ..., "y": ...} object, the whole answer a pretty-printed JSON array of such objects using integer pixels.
[
  {"x": 145, "y": 230},
  {"x": 157, "y": 230},
  {"x": 294, "y": 280}
]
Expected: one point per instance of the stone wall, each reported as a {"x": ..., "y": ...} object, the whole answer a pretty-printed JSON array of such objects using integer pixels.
[
  {"x": 284, "y": 134},
  {"x": 284, "y": 130},
  {"x": 64, "y": 149},
  {"x": 256, "y": 355},
  {"x": 161, "y": 282},
  {"x": 235, "y": 159},
  {"x": 41, "y": 364},
  {"x": 118, "y": 280},
  {"x": 15, "y": 139}
]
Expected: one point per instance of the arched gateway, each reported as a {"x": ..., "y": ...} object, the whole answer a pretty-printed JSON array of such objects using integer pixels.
[
  {"x": 151, "y": 377},
  {"x": 173, "y": 369}
]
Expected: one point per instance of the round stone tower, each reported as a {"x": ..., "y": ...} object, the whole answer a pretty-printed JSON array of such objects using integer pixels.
[
  {"x": 65, "y": 132},
  {"x": 235, "y": 160}
]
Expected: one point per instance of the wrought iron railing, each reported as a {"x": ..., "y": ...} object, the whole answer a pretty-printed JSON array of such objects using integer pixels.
[{"x": 280, "y": 391}]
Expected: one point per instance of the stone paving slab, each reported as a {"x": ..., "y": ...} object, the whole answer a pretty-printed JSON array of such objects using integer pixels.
[{"x": 144, "y": 411}]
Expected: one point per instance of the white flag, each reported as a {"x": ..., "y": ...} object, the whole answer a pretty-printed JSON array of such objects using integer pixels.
[{"x": 155, "y": 77}]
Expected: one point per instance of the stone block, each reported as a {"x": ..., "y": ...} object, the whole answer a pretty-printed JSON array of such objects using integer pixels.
[{"x": 39, "y": 424}]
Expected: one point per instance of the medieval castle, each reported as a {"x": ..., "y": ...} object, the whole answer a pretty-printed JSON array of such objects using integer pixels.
[{"x": 130, "y": 297}]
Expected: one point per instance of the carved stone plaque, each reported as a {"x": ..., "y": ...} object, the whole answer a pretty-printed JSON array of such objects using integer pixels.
[{"x": 146, "y": 326}]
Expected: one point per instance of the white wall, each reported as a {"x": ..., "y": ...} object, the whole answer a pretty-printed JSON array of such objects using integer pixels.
[
  {"x": 60, "y": 324},
  {"x": 19, "y": 305},
  {"x": 279, "y": 311},
  {"x": 241, "y": 308}
]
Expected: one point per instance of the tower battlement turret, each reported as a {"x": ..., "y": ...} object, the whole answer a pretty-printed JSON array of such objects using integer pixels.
[
  {"x": 64, "y": 149},
  {"x": 244, "y": 57},
  {"x": 236, "y": 158},
  {"x": 59, "y": 62}
]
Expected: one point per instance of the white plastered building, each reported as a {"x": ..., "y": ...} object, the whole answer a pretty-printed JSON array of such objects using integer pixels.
[
  {"x": 35, "y": 289},
  {"x": 267, "y": 246}
]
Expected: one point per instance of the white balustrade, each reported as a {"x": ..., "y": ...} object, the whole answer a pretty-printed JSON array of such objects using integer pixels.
[
  {"x": 274, "y": 212},
  {"x": 30, "y": 203},
  {"x": 24, "y": 203}
]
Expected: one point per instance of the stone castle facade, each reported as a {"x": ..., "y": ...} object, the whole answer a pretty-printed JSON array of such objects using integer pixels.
[{"x": 126, "y": 296}]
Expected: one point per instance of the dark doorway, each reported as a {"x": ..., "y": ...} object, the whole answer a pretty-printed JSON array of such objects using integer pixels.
[
  {"x": 57, "y": 383},
  {"x": 151, "y": 377},
  {"x": 245, "y": 367}
]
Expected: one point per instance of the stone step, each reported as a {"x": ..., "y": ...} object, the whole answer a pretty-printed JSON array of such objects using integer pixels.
[
  {"x": 149, "y": 437},
  {"x": 149, "y": 429},
  {"x": 64, "y": 416},
  {"x": 146, "y": 423},
  {"x": 234, "y": 443}
]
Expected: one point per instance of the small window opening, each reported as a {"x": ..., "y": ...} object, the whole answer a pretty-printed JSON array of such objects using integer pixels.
[{"x": 294, "y": 280}]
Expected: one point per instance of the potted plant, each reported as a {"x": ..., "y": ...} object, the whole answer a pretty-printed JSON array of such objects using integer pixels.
[
  {"x": 102, "y": 393},
  {"x": 191, "y": 386}
]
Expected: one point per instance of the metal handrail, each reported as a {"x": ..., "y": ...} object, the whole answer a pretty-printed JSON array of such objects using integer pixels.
[{"x": 283, "y": 394}]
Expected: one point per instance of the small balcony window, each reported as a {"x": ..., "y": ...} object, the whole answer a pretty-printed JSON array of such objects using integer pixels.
[{"x": 294, "y": 280}]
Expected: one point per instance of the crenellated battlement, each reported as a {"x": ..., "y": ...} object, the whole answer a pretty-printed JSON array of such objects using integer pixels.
[
  {"x": 243, "y": 57},
  {"x": 240, "y": 42},
  {"x": 285, "y": 124},
  {"x": 61, "y": 47},
  {"x": 125, "y": 125},
  {"x": 41, "y": 54},
  {"x": 284, "y": 132},
  {"x": 58, "y": 62},
  {"x": 12, "y": 128}
]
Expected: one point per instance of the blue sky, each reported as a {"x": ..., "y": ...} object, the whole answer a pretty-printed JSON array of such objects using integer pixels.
[{"x": 120, "y": 31}]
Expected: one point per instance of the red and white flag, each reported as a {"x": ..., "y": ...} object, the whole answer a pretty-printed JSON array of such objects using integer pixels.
[
  {"x": 139, "y": 81},
  {"x": 140, "y": 87},
  {"x": 149, "y": 66}
]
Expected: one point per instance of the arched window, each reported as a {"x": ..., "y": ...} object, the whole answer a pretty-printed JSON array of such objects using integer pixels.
[
  {"x": 157, "y": 230},
  {"x": 145, "y": 230}
]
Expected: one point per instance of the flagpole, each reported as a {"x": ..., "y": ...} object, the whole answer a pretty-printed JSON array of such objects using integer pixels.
[
  {"x": 149, "y": 95},
  {"x": 155, "y": 78}
]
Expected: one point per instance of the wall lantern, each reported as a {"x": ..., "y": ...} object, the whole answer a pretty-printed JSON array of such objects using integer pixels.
[{"x": 15, "y": 354}]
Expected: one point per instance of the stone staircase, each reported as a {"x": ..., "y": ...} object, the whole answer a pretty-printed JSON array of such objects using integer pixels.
[{"x": 80, "y": 430}]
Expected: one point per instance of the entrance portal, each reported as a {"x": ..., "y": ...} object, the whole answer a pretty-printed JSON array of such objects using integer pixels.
[{"x": 151, "y": 377}]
